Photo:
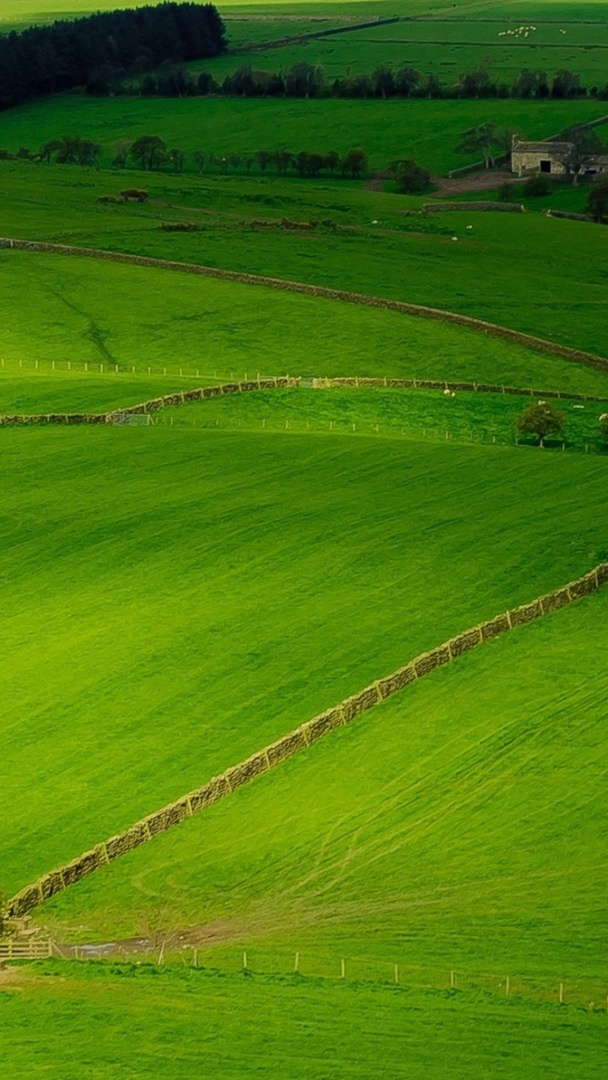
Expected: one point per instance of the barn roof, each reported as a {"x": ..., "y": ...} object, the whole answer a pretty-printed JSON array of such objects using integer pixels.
[{"x": 541, "y": 147}]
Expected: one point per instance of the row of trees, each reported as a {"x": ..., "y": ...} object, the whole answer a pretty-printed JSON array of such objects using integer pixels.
[
  {"x": 305, "y": 80},
  {"x": 97, "y": 50},
  {"x": 151, "y": 153}
]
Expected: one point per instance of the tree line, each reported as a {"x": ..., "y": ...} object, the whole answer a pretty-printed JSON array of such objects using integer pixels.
[
  {"x": 96, "y": 51},
  {"x": 305, "y": 80},
  {"x": 151, "y": 154}
]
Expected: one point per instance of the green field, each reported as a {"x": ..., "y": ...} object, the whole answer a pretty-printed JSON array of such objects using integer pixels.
[
  {"x": 176, "y": 595},
  {"x": 385, "y": 129},
  {"x": 542, "y": 276},
  {"x": 69, "y": 1025},
  {"x": 207, "y": 544}
]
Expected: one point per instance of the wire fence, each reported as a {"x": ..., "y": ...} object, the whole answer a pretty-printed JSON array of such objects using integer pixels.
[
  {"x": 589, "y": 993},
  {"x": 110, "y": 367},
  {"x": 296, "y": 426}
]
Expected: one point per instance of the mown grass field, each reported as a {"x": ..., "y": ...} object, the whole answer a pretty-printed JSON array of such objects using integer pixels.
[
  {"x": 194, "y": 596},
  {"x": 456, "y": 827},
  {"x": 176, "y": 596},
  {"x": 69, "y": 1023}
]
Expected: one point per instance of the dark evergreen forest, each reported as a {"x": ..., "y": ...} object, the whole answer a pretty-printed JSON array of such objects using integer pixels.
[{"x": 95, "y": 50}]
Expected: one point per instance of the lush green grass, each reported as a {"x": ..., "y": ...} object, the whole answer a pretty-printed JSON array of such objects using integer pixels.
[
  {"x": 428, "y": 130},
  {"x": 431, "y": 414},
  {"x": 194, "y": 596},
  {"x": 458, "y": 826},
  {"x": 65, "y": 309},
  {"x": 446, "y": 47},
  {"x": 134, "y": 1022},
  {"x": 543, "y": 276}
]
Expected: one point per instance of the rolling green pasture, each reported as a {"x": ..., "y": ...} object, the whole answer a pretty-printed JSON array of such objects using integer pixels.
[
  {"x": 414, "y": 413},
  {"x": 139, "y": 1022},
  {"x": 543, "y": 276},
  {"x": 458, "y": 826},
  {"x": 429, "y": 130},
  {"x": 446, "y": 48},
  {"x": 196, "y": 594},
  {"x": 63, "y": 309}
]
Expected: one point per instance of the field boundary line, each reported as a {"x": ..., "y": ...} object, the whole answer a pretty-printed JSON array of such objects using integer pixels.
[
  {"x": 281, "y": 382},
  {"x": 552, "y": 348},
  {"x": 56, "y": 881}
]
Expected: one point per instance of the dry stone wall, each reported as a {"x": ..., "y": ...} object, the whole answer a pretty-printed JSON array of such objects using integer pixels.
[
  {"x": 440, "y": 384},
  {"x": 491, "y": 329},
  {"x": 218, "y": 787}
]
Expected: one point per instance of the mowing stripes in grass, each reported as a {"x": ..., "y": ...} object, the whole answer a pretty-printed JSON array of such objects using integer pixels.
[{"x": 220, "y": 786}]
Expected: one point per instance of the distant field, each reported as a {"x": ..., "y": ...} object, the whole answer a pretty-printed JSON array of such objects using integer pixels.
[
  {"x": 385, "y": 129},
  {"x": 446, "y": 47},
  {"x": 171, "y": 321},
  {"x": 543, "y": 276}
]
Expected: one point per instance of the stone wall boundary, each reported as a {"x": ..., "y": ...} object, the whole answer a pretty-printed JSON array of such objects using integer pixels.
[
  {"x": 204, "y": 393},
  {"x": 565, "y": 352},
  {"x": 159, "y": 821}
]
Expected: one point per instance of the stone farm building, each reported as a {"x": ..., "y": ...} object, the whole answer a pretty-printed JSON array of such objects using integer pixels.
[{"x": 549, "y": 157}]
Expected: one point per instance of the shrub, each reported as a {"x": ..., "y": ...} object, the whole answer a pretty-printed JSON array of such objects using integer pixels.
[
  {"x": 409, "y": 176},
  {"x": 540, "y": 420},
  {"x": 537, "y": 185}
]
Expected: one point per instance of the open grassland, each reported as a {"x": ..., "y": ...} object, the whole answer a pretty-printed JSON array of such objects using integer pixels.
[
  {"x": 446, "y": 47},
  {"x": 140, "y": 1022},
  {"x": 215, "y": 1025},
  {"x": 427, "y": 130},
  {"x": 65, "y": 309},
  {"x": 427, "y": 413},
  {"x": 541, "y": 275},
  {"x": 194, "y": 596},
  {"x": 456, "y": 827}
]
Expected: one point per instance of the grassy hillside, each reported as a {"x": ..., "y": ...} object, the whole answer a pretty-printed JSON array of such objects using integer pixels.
[
  {"x": 543, "y": 276},
  {"x": 428, "y": 130},
  {"x": 119, "y": 1022},
  {"x": 458, "y": 826},
  {"x": 430, "y": 1032},
  {"x": 194, "y": 595},
  {"x": 446, "y": 47},
  {"x": 64, "y": 309}
]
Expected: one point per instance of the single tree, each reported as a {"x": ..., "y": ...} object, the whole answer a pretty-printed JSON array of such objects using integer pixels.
[
  {"x": 582, "y": 145},
  {"x": 537, "y": 185},
  {"x": 149, "y": 151},
  {"x": 409, "y": 176},
  {"x": 263, "y": 159},
  {"x": 383, "y": 82},
  {"x": 540, "y": 420},
  {"x": 597, "y": 202},
  {"x": 484, "y": 139},
  {"x": 354, "y": 163}
]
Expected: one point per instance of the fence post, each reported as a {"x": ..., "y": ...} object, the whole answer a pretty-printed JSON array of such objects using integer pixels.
[
  {"x": 195, "y": 958},
  {"x": 507, "y": 986},
  {"x": 561, "y": 993},
  {"x": 245, "y": 961},
  {"x": 452, "y": 980},
  {"x": 342, "y": 969},
  {"x": 396, "y": 973},
  {"x": 296, "y": 962}
]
